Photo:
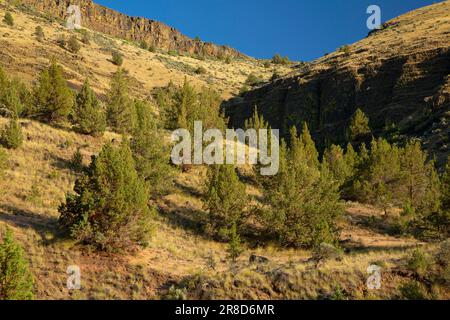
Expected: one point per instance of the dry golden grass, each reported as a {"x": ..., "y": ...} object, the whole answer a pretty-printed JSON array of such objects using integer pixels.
[
  {"x": 23, "y": 56},
  {"x": 36, "y": 184},
  {"x": 39, "y": 176}
]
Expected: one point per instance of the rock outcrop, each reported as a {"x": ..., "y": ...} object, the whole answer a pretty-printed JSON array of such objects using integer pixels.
[
  {"x": 108, "y": 21},
  {"x": 399, "y": 76}
]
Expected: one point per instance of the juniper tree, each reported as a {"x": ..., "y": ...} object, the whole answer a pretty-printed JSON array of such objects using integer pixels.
[
  {"x": 225, "y": 199},
  {"x": 117, "y": 58},
  {"x": 339, "y": 165},
  {"x": 85, "y": 37},
  {"x": 53, "y": 100},
  {"x": 109, "y": 209},
  {"x": 445, "y": 187},
  {"x": 39, "y": 33},
  {"x": 89, "y": 117},
  {"x": 3, "y": 162},
  {"x": 381, "y": 178},
  {"x": 312, "y": 156},
  {"x": 351, "y": 157},
  {"x": 303, "y": 204},
  {"x": 73, "y": 45},
  {"x": 11, "y": 136},
  {"x": 234, "y": 244},
  {"x": 8, "y": 19},
  {"x": 120, "y": 111},
  {"x": 420, "y": 185},
  {"x": 150, "y": 153},
  {"x": 185, "y": 100},
  {"x": 14, "y": 96},
  {"x": 256, "y": 122},
  {"x": 209, "y": 102},
  {"x": 164, "y": 100},
  {"x": 16, "y": 280},
  {"x": 144, "y": 45},
  {"x": 437, "y": 224},
  {"x": 182, "y": 106},
  {"x": 359, "y": 129}
]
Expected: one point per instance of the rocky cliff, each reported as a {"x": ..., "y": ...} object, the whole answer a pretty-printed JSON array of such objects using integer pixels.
[
  {"x": 105, "y": 20},
  {"x": 399, "y": 76}
]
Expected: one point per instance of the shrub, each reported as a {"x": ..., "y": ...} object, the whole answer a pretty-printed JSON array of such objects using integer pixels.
[
  {"x": 76, "y": 162},
  {"x": 117, "y": 58},
  {"x": 8, "y": 19},
  {"x": 252, "y": 79},
  {"x": 53, "y": 100},
  {"x": 345, "y": 49},
  {"x": 151, "y": 155},
  {"x": 85, "y": 37},
  {"x": 338, "y": 294},
  {"x": 359, "y": 129},
  {"x": 225, "y": 199},
  {"x": 176, "y": 294},
  {"x": 11, "y": 137},
  {"x": 39, "y": 33},
  {"x": 143, "y": 45},
  {"x": 109, "y": 210},
  {"x": 325, "y": 251},
  {"x": 234, "y": 245},
  {"x": 201, "y": 70},
  {"x": 15, "y": 99},
  {"x": 443, "y": 259},
  {"x": 16, "y": 280},
  {"x": 277, "y": 59},
  {"x": 152, "y": 48},
  {"x": 3, "y": 162},
  {"x": 73, "y": 45},
  {"x": 61, "y": 41},
  {"x": 303, "y": 199},
  {"x": 419, "y": 262},
  {"x": 256, "y": 122},
  {"x": 413, "y": 290},
  {"x": 89, "y": 117},
  {"x": 182, "y": 106},
  {"x": 119, "y": 106},
  {"x": 341, "y": 168},
  {"x": 244, "y": 89}
]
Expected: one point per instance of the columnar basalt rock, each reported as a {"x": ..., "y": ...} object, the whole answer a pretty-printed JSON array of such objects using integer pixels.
[
  {"x": 398, "y": 76},
  {"x": 108, "y": 21}
]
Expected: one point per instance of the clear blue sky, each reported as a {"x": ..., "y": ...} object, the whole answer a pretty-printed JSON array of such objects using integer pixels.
[{"x": 302, "y": 29}]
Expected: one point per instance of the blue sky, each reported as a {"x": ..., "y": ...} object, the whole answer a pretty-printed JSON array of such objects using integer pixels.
[{"x": 301, "y": 29}]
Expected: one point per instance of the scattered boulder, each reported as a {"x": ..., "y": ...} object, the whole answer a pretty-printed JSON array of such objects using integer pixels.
[{"x": 258, "y": 259}]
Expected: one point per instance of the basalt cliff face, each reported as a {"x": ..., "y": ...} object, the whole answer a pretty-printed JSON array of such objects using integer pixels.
[
  {"x": 108, "y": 21},
  {"x": 399, "y": 76}
]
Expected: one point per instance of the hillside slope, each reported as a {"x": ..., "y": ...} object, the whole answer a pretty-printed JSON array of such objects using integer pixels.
[
  {"x": 23, "y": 56},
  {"x": 40, "y": 175},
  {"x": 111, "y": 22},
  {"x": 399, "y": 76}
]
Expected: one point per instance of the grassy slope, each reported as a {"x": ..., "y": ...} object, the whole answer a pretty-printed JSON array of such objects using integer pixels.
[
  {"x": 39, "y": 176},
  {"x": 23, "y": 56}
]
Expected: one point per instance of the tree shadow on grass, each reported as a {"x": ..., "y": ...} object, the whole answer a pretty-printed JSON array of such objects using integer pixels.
[
  {"x": 188, "y": 190},
  {"x": 185, "y": 218},
  {"x": 45, "y": 226},
  {"x": 356, "y": 247}
]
